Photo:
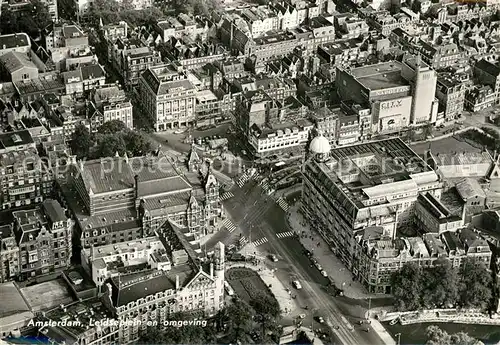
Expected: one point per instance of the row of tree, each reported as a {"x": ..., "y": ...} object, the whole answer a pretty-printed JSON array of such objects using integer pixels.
[
  {"x": 442, "y": 286},
  {"x": 111, "y": 138},
  {"x": 437, "y": 336},
  {"x": 112, "y": 11}
]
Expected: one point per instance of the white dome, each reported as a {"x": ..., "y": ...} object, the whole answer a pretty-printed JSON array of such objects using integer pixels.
[{"x": 320, "y": 145}]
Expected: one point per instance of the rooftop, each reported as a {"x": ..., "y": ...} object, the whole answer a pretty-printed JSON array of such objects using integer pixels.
[
  {"x": 388, "y": 167},
  {"x": 14, "y": 40},
  {"x": 381, "y": 76},
  {"x": 11, "y": 139},
  {"x": 13, "y": 61}
]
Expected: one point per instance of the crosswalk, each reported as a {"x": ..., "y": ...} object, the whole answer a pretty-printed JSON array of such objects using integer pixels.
[
  {"x": 259, "y": 242},
  {"x": 283, "y": 204},
  {"x": 285, "y": 234},
  {"x": 228, "y": 225},
  {"x": 246, "y": 177},
  {"x": 226, "y": 196},
  {"x": 243, "y": 179},
  {"x": 243, "y": 240}
]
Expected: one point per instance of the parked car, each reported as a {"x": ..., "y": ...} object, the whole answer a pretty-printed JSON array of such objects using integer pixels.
[
  {"x": 273, "y": 258},
  {"x": 296, "y": 284},
  {"x": 320, "y": 319},
  {"x": 324, "y": 274}
]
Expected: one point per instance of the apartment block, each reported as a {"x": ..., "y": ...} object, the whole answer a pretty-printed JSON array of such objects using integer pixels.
[
  {"x": 41, "y": 236},
  {"x": 168, "y": 97},
  {"x": 24, "y": 179}
]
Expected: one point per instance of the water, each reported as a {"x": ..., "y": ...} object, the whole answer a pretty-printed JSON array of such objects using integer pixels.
[{"x": 415, "y": 333}]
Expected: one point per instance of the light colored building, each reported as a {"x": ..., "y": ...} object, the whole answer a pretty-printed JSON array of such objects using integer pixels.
[
  {"x": 400, "y": 94},
  {"x": 461, "y": 164},
  {"x": 346, "y": 189},
  {"x": 155, "y": 295},
  {"x": 267, "y": 141},
  {"x": 109, "y": 102},
  {"x": 19, "y": 42},
  {"x": 168, "y": 97},
  {"x": 480, "y": 97},
  {"x": 113, "y": 259},
  {"x": 18, "y": 67}
]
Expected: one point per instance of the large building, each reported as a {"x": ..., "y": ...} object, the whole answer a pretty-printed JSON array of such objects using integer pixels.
[
  {"x": 41, "y": 237},
  {"x": 120, "y": 199},
  {"x": 399, "y": 94},
  {"x": 377, "y": 183},
  {"x": 168, "y": 97}
]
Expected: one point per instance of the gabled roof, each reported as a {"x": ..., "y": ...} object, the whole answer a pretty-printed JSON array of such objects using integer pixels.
[
  {"x": 14, "y": 61},
  {"x": 488, "y": 67},
  {"x": 469, "y": 188}
]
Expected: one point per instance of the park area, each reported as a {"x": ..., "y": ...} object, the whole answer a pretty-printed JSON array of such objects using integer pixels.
[{"x": 247, "y": 284}]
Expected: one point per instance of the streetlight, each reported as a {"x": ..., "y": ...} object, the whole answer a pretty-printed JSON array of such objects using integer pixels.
[{"x": 399, "y": 338}]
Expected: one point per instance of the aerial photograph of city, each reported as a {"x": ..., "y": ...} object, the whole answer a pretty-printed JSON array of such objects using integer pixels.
[{"x": 250, "y": 172}]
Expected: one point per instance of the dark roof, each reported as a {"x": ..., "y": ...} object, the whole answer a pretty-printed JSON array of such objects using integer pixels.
[
  {"x": 488, "y": 67},
  {"x": 92, "y": 71},
  {"x": 54, "y": 211},
  {"x": 15, "y": 138},
  {"x": 14, "y": 40}
]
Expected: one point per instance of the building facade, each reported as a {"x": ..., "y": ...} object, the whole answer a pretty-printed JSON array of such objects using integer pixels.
[
  {"x": 349, "y": 188},
  {"x": 168, "y": 97},
  {"x": 41, "y": 236}
]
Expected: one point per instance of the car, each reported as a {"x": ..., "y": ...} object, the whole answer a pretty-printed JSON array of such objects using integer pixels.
[
  {"x": 273, "y": 258},
  {"x": 296, "y": 284},
  {"x": 324, "y": 274},
  {"x": 319, "y": 267},
  {"x": 320, "y": 319},
  {"x": 308, "y": 253}
]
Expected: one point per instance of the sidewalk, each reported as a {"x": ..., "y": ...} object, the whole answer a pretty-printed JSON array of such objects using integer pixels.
[
  {"x": 287, "y": 305},
  {"x": 330, "y": 263}
]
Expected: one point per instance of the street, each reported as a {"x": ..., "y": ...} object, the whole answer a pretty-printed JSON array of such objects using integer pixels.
[{"x": 260, "y": 220}]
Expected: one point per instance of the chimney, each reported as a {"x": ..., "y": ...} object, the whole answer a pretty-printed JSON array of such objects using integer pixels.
[
  {"x": 211, "y": 270},
  {"x": 136, "y": 180},
  {"x": 177, "y": 284}
]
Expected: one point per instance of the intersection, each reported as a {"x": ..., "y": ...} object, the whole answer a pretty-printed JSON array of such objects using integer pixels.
[{"x": 262, "y": 222}]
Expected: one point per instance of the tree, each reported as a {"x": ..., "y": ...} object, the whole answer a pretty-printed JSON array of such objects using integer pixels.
[
  {"x": 265, "y": 305},
  {"x": 111, "y": 127},
  {"x": 240, "y": 322},
  {"x": 136, "y": 143},
  {"x": 406, "y": 287},
  {"x": 109, "y": 144},
  {"x": 81, "y": 142},
  {"x": 436, "y": 336},
  {"x": 440, "y": 285},
  {"x": 31, "y": 19},
  {"x": 475, "y": 287}
]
